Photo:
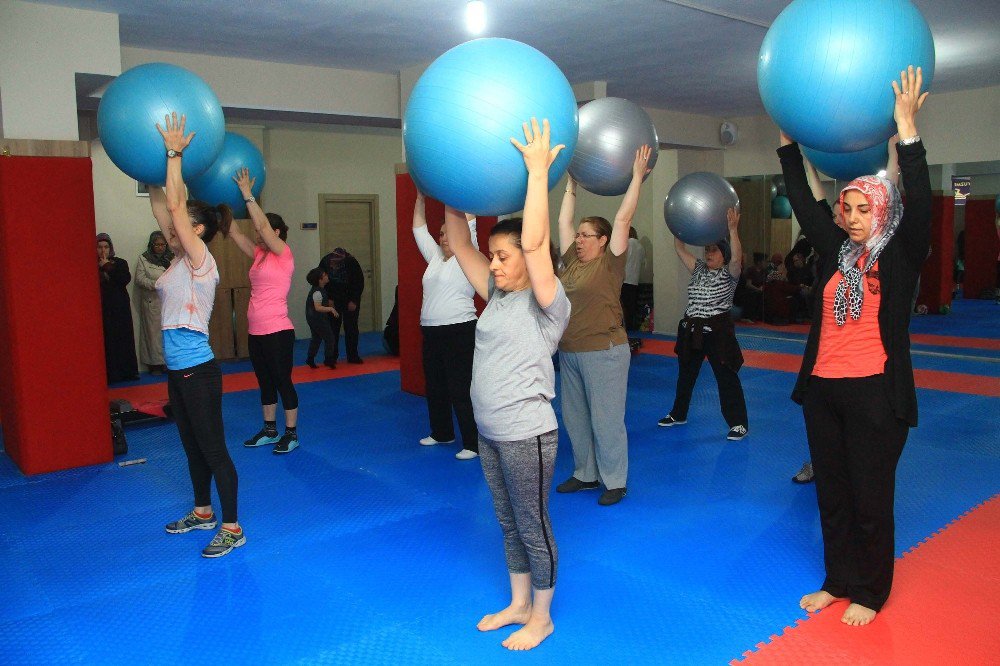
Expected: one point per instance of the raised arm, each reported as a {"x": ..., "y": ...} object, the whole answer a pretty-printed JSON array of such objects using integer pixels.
[
  {"x": 535, "y": 243},
  {"x": 176, "y": 194},
  {"x": 158, "y": 202},
  {"x": 567, "y": 234},
  {"x": 626, "y": 211},
  {"x": 260, "y": 223},
  {"x": 475, "y": 266},
  {"x": 687, "y": 258},
  {"x": 812, "y": 217},
  {"x": 915, "y": 227},
  {"x": 735, "y": 245},
  {"x": 812, "y": 177},
  {"x": 892, "y": 164},
  {"x": 425, "y": 242}
]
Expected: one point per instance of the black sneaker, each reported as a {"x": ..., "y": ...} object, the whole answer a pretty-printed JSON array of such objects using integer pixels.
[
  {"x": 311, "y": 363},
  {"x": 191, "y": 522},
  {"x": 287, "y": 443},
  {"x": 805, "y": 475},
  {"x": 573, "y": 484},
  {"x": 736, "y": 433},
  {"x": 669, "y": 420},
  {"x": 263, "y": 438},
  {"x": 612, "y": 496},
  {"x": 223, "y": 542}
]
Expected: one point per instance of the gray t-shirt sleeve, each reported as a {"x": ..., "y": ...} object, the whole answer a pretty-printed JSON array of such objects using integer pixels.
[{"x": 555, "y": 318}]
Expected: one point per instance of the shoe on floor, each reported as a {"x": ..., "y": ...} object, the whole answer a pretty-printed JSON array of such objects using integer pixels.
[
  {"x": 669, "y": 420},
  {"x": 573, "y": 484},
  {"x": 311, "y": 363},
  {"x": 223, "y": 542},
  {"x": 430, "y": 441},
  {"x": 191, "y": 522},
  {"x": 612, "y": 496},
  {"x": 466, "y": 454},
  {"x": 804, "y": 475},
  {"x": 331, "y": 364},
  {"x": 263, "y": 438},
  {"x": 736, "y": 433},
  {"x": 287, "y": 443}
]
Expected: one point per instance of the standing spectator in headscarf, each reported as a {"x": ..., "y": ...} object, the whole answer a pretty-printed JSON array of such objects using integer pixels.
[
  {"x": 116, "y": 312},
  {"x": 347, "y": 283},
  {"x": 151, "y": 265}
]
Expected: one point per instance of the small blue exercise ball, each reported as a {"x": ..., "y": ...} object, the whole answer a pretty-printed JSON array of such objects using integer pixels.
[
  {"x": 611, "y": 130},
  {"x": 781, "y": 208},
  {"x": 848, "y": 166},
  {"x": 696, "y": 206},
  {"x": 139, "y": 99},
  {"x": 825, "y": 69},
  {"x": 216, "y": 185},
  {"x": 462, "y": 113}
]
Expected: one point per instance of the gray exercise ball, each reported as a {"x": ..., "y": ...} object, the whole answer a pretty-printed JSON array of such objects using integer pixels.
[
  {"x": 695, "y": 209},
  {"x": 611, "y": 130},
  {"x": 779, "y": 186}
]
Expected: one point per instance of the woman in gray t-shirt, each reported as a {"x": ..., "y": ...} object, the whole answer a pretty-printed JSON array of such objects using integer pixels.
[{"x": 513, "y": 384}]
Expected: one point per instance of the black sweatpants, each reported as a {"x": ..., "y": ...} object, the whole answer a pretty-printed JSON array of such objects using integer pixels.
[
  {"x": 630, "y": 300},
  {"x": 196, "y": 400},
  {"x": 349, "y": 320},
  {"x": 447, "y": 355},
  {"x": 855, "y": 441},
  {"x": 271, "y": 357},
  {"x": 322, "y": 333},
  {"x": 733, "y": 403}
]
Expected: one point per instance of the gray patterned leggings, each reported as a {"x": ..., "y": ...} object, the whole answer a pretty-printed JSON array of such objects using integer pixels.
[{"x": 519, "y": 475}]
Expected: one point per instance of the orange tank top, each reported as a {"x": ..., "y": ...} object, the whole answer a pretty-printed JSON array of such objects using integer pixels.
[{"x": 854, "y": 349}]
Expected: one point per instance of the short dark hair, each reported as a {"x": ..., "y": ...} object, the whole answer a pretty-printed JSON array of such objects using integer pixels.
[
  {"x": 278, "y": 224},
  {"x": 313, "y": 276},
  {"x": 213, "y": 218}
]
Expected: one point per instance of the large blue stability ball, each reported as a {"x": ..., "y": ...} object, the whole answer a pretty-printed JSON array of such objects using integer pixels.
[
  {"x": 463, "y": 112},
  {"x": 825, "y": 69},
  {"x": 216, "y": 185},
  {"x": 848, "y": 166},
  {"x": 140, "y": 98},
  {"x": 781, "y": 207},
  {"x": 696, "y": 206},
  {"x": 611, "y": 130}
]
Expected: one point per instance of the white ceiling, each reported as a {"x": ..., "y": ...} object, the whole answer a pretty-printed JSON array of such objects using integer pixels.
[{"x": 698, "y": 57}]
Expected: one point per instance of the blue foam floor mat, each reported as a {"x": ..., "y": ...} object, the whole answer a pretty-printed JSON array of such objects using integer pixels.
[{"x": 366, "y": 548}]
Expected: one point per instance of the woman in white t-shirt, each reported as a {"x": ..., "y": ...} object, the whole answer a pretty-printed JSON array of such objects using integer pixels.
[{"x": 448, "y": 325}]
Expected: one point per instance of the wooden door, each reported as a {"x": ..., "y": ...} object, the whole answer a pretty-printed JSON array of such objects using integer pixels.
[
  {"x": 227, "y": 329},
  {"x": 351, "y": 222}
]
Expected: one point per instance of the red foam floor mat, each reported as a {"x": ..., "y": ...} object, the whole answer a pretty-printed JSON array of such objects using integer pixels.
[{"x": 943, "y": 594}]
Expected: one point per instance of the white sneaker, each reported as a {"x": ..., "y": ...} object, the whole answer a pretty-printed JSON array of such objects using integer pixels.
[
  {"x": 430, "y": 441},
  {"x": 466, "y": 454}
]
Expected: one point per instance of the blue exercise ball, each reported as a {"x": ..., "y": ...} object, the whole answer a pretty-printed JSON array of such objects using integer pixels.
[
  {"x": 848, "y": 166},
  {"x": 696, "y": 206},
  {"x": 139, "y": 99},
  {"x": 216, "y": 185},
  {"x": 611, "y": 130},
  {"x": 997, "y": 204},
  {"x": 781, "y": 207},
  {"x": 464, "y": 110},
  {"x": 825, "y": 80}
]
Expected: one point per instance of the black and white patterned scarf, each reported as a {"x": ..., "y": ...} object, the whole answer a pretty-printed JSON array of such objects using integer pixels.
[{"x": 887, "y": 211}]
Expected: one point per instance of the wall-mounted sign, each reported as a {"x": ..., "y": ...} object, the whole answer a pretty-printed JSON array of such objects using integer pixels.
[
  {"x": 310, "y": 226},
  {"x": 962, "y": 185}
]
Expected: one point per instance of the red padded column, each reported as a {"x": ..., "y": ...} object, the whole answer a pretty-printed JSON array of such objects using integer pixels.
[
  {"x": 53, "y": 386},
  {"x": 981, "y": 246},
  {"x": 936, "y": 275},
  {"x": 411, "y": 271}
]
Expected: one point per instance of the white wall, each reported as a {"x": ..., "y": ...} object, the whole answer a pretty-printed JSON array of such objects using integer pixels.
[{"x": 41, "y": 50}]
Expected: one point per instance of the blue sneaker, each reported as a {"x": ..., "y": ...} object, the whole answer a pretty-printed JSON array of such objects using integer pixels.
[
  {"x": 191, "y": 522},
  {"x": 263, "y": 438},
  {"x": 287, "y": 443}
]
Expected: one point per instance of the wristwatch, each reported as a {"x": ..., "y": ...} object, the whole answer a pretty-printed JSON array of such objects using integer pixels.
[
  {"x": 250, "y": 200},
  {"x": 909, "y": 141},
  {"x": 174, "y": 153}
]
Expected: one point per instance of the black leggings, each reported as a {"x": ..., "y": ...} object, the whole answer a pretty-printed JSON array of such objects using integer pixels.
[
  {"x": 271, "y": 356},
  {"x": 196, "y": 400},
  {"x": 448, "y": 352}
]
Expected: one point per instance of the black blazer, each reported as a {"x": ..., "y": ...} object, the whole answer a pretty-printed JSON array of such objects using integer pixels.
[{"x": 899, "y": 269}]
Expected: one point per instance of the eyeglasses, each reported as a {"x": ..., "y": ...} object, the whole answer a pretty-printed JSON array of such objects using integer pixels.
[{"x": 581, "y": 234}]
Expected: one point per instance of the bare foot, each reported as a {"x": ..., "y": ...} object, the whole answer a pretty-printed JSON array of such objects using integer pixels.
[
  {"x": 530, "y": 635},
  {"x": 510, "y": 615},
  {"x": 857, "y": 615},
  {"x": 817, "y": 601}
]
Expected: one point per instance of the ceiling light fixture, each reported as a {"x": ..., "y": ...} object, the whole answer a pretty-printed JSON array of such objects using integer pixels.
[{"x": 475, "y": 16}]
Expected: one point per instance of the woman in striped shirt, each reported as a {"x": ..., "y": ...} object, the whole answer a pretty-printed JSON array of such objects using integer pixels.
[{"x": 707, "y": 331}]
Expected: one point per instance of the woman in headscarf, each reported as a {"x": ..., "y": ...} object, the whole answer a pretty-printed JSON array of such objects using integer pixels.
[
  {"x": 116, "y": 313},
  {"x": 856, "y": 383},
  {"x": 151, "y": 265}
]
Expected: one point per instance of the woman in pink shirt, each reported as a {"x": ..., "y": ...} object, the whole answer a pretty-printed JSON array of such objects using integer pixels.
[{"x": 272, "y": 334}]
